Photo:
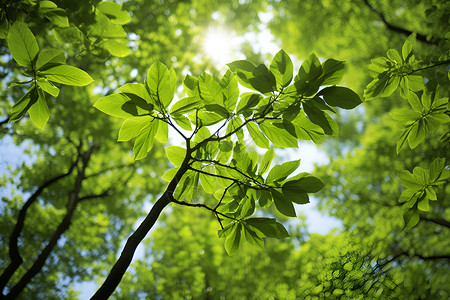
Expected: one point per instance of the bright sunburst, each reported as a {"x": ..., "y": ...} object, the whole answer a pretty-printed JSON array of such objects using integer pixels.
[{"x": 220, "y": 45}]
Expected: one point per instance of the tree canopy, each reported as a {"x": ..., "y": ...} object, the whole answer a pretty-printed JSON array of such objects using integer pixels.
[{"x": 120, "y": 123}]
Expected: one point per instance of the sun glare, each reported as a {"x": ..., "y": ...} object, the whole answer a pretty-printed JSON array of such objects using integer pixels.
[{"x": 220, "y": 45}]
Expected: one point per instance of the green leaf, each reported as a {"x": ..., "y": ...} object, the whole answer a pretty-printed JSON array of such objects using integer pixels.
[
  {"x": 230, "y": 90},
  {"x": 191, "y": 86},
  {"x": 282, "y": 68},
  {"x": 411, "y": 218},
  {"x": 161, "y": 83},
  {"x": 24, "y": 104},
  {"x": 138, "y": 90},
  {"x": 281, "y": 172},
  {"x": 67, "y": 75},
  {"x": 170, "y": 174},
  {"x": 116, "y": 47},
  {"x": 47, "y": 87},
  {"x": 416, "y": 135},
  {"x": 268, "y": 227},
  {"x": 39, "y": 112},
  {"x": 162, "y": 134},
  {"x": 306, "y": 130},
  {"x": 49, "y": 58},
  {"x": 308, "y": 79},
  {"x": 283, "y": 204},
  {"x": 266, "y": 161},
  {"x": 257, "y": 136},
  {"x": 114, "y": 12},
  {"x": 280, "y": 134},
  {"x": 183, "y": 122},
  {"x": 122, "y": 106},
  {"x": 252, "y": 237},
  {"x": 415, "y": 102},
  {"x": 333, "y": 71},
  {"x": 340, "y": 96},
  {"x": 394, "y": 56},
  {"x": 176, "y": 155},
  {"x": 303, "y": 183},
  {"x": 22, "y": 44},
  {"x": 233, "y": 239},
  {"x": 144, "y": 141},
  {"x": 319, "y": 117},
  {"x": 406, "y": 50},
  {"x": 131, "y": 127},
  {"x": 208, "y": 182},
  {"x": 185, "y": 105},
  {"x": 409, "y": 180},
  {"x": 255, "y": 78},
  {"x": 210, "y": 90},
  {"x": 248, "y": 101},
  {"x": 55, "y": 14}
]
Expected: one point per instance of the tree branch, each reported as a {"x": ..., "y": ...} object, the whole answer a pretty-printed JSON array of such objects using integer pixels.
[
  {"x": 16, "y": 259},
  {"x": 437, "y": 221},
  {"x": 120, "y": 267},
  {"x": 419, "y": 37},
  {"x": 62, "y": 227},
  {"x": 204, "y": 206}
]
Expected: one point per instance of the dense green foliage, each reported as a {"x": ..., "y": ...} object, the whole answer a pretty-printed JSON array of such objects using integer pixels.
[{"x": 77, "y": 191}]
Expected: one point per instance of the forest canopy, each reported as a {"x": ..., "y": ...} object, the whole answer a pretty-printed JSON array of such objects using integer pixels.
[{"x": 151, "y": 150}]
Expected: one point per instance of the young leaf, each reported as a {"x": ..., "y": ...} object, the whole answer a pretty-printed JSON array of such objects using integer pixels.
[
  {"x": 22, "y": 44},
  {"x": 411, "y": 218},
  {"x": 257, "y": 136},
  {"x": 318, "y": 117},
  {"x": 208, "y": 182},
  {"x": 268, "y": 227},
  {"x": 161, "y": 83},
  {"x": 39, "y": 112},
  {"x": 252, "y": 237},
  {"x": 120, "y": 106},
  {"x": 210, "y": 90},
  {"x": 233, "y": 239},
  {"x": 49, "y": 58},
  {"x": 333, "y": 71},
  {"x": 162, "y": 134},
  {"x": 185, "y": 105},
  {"x": 138, "y": 90},
  {"x": 67, "y": 75},
  {"x": 281, "y": 172},
  {"x": 114, "y": 12},
  {"x": 230, "y": 90},
  {"x": 282, "y": 68},
  {"x": 176, "y": 155},
  {"x": 47, "y": 87},
  {"x": 144, "y": 141},
  {"x": 24, "y": 104},
  {"x": 131, "y": 127},
  {"x": 116, "y": 47},
  {"x": 283, "y": 204},
  {"x": 406, "y": 49},
  {"x": 247, "y": 101},
  {"x": 280, "y": 134},
  {"x": 255, "y": 78},
  {"x": 303, "y": 183},
  {"x": 340, "y": 96},
  {"x": 266, "y": 161}
]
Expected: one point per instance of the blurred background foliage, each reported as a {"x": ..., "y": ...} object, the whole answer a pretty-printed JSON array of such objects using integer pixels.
[{"x": 369, "y": 257}]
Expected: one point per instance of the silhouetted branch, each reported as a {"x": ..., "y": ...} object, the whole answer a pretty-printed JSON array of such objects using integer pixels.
[
  {"x": 62, "y": 227},
  {"x": 437, "y": 221},
  {"x": 16, "y": 259},
  {"x": 398, "y": 29},
  {"x": 120, "y": 267}
]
